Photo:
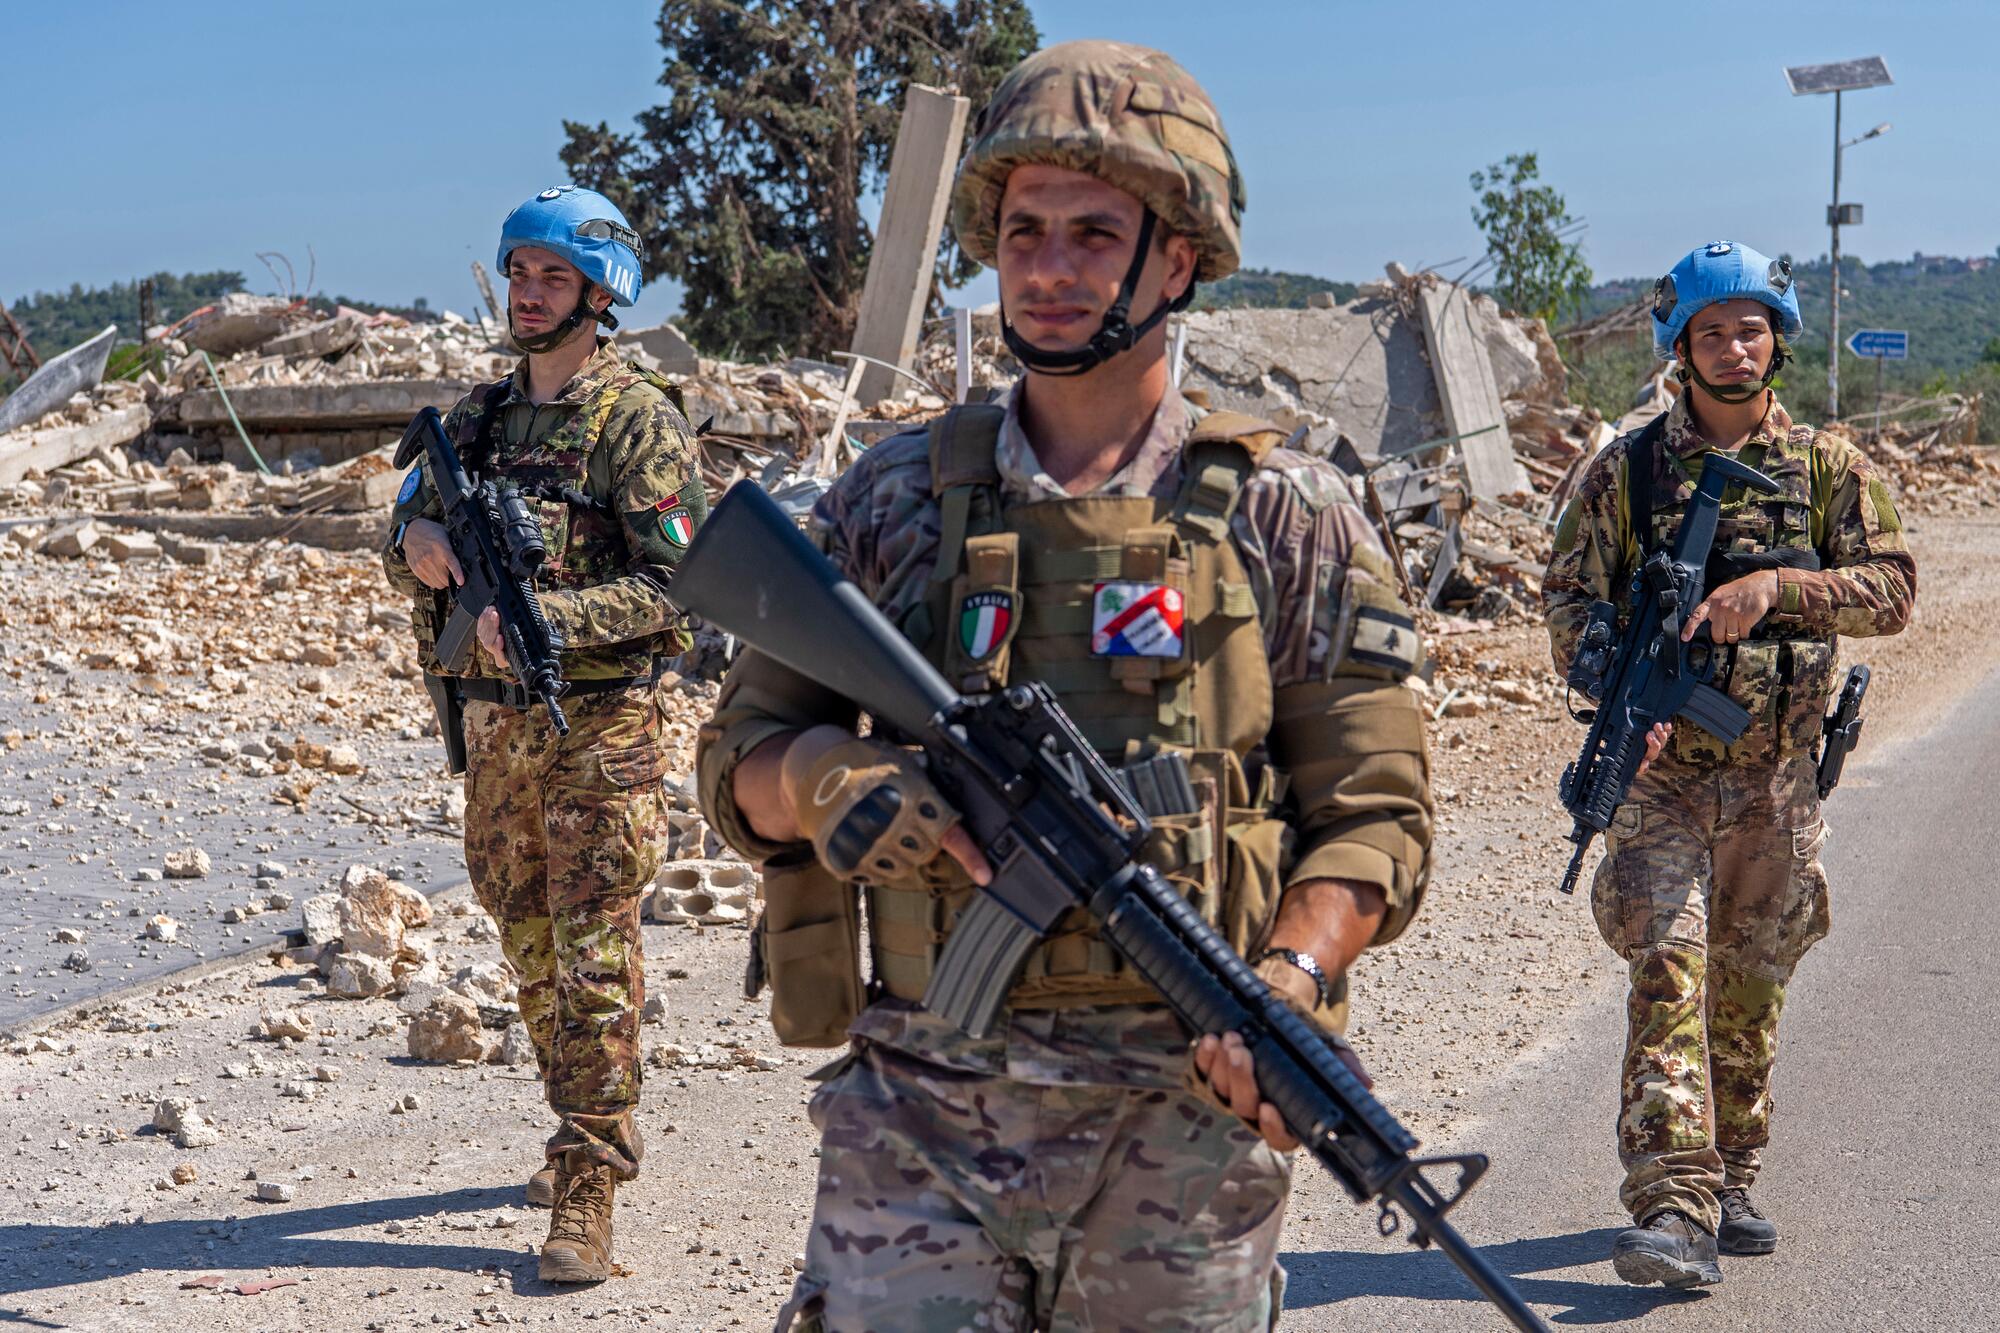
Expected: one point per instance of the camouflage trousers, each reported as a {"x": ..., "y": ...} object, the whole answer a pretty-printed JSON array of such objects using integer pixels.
[
  {"x": 562, "y": 834},
  {"x": 952, "y": 1200},
  {"x": 1711, "y": 889}
]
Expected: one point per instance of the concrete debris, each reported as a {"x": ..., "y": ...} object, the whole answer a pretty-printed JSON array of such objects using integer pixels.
[
  {"x": 375, "y": 911},
  {"x": 186, "y": 863},
  {"x": 163, "y": 928},
  {"x": 280, "y": 1023},
  {"x": 516, "y": 1046},
  {"x": 708, "y": 893},
  {"x": 178, "y": 1118},
  {"x": 448, "y": 1029},
  {"x": 485, "y": 983},
  {"x": 356, "y": 976},
  {"x": 275, "y": 1191}
]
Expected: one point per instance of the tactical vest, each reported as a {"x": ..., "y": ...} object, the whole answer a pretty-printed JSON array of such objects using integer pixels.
[
  {"x": 1044, "y": 590},
  {"x": 565, "y": 480},
  {"x": 1783, "y": 678}
]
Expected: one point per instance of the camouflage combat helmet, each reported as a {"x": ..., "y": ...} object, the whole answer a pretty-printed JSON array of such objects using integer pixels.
[{"x": 1131, "y": 117}]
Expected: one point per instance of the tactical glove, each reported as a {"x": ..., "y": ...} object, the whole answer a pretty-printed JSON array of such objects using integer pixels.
[{"x": 870, "y": 810}]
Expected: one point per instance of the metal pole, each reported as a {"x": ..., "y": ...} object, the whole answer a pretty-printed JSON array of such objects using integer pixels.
[
  {"x": 1833, "y": 294},
  {"x": 1877, "y": 434}
]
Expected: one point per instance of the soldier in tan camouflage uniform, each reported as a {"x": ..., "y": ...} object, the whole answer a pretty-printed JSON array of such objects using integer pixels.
[
  {"x": 563, "y": 833},
  {"x": 1189, "y": 588},
  {"x": 1711, "y": 886}
]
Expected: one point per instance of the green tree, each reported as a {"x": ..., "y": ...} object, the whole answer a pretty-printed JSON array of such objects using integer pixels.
[
  {"x": 1537, "y": 269},
  {"x": 750, "y": 184}
]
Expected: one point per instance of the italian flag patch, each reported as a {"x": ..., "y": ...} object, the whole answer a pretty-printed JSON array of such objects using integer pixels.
[
  {"x": 676, "y": 523},
  {"x": 983, "y": 620}
]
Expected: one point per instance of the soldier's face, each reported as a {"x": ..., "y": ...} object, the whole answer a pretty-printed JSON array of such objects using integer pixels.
[
  {"x": 542, "y": 289},
  {"x": 1730, "y": 342},
  {"x": 1066, "y": 240}
]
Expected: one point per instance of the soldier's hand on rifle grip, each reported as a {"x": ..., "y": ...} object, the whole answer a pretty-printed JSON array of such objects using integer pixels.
[
  {"x": 870, "y": 809},
  {"x": 1656, "y": 741},
  {"x": 488, "y": 630},
  {"x": 1733, "y": 610},
  {"x": 428, "y": 552}
]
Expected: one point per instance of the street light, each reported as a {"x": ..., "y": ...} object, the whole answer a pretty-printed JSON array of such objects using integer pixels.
[{"x": 1840, "y": 77}]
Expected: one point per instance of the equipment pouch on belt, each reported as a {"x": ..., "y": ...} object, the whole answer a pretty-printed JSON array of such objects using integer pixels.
[
  {"x": 450, "y": 707},
  {"x": 807, "y": 947}
]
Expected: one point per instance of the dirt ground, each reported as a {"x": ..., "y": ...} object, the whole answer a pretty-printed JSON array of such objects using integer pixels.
[{"x": 406, "y": 1176}]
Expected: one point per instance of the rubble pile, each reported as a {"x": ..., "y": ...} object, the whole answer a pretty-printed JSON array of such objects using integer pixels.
[{"x": 1930, "y": 449}]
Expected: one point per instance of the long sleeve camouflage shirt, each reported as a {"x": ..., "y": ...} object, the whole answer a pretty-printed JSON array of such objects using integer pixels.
[
  {"x": 1867, "y": 580},
  {"x": 614, "y": 436}
]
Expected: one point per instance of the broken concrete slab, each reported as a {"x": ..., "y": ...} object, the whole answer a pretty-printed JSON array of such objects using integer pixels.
[
  {"x": 132, "y": 546},
  {"x": 60, "y": 379},
  {"x": 71, "y": 539},
  {"x": 666, "y": 345},
  {"x": 239, "y": 322},
  {"x": 1463, "y": 370},
  {"x": 331, "y": 531},
  {"x": 1361, "y": 364},
  {"x": 386, "y": 403},
  {"x": 47, "y": 450},
  {"x": 329, "y": 337}
]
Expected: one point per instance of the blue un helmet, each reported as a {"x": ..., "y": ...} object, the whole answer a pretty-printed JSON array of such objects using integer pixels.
[
  {"x": 1723, "y": 271},
  {"x": 588, "y": 230}
]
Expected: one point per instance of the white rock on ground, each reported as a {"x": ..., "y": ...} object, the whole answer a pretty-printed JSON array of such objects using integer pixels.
[{"x": 448, "y": 1029}]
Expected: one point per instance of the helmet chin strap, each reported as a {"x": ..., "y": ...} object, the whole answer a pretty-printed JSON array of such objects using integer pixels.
[
  {"x": 1116, "y": 334},
  {"x": 1728, "y": 393},
  {"x": 557, "y": 336}
]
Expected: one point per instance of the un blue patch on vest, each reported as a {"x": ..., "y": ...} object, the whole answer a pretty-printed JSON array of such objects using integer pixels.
[{"x": 410, "y": 484}]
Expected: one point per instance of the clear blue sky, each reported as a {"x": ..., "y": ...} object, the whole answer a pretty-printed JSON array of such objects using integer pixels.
[{"x": 392, "y": 138}]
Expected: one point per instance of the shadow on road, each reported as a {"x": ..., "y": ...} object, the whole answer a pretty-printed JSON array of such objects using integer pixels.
[
  {"x": 266, "y": 1236},
  {"x": 1329, "y": 1277}
]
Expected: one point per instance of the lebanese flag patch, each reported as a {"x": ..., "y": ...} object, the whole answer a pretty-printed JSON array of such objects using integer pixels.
[
  {"x": 1136, "y": 620},
  {"x": 983, "y": 621}
]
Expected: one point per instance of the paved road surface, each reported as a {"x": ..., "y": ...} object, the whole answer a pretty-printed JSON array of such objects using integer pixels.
[
  {"x": 73, "y": 865},
  {"x": 1885, "y": 1168}
]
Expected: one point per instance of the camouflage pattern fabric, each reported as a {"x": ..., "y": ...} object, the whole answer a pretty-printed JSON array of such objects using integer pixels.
[
  {"x": 949, "y": 1201},
  {"x": 612, "y": 434},
  {"x": 1126, "y": 114},
  {"x": 1711, "y": 888},
  {"x": 1835, "y": 501},
  {"x": 562, "y": 834}
]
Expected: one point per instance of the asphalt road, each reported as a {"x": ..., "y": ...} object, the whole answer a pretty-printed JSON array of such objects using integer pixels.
[
  {"x": 72, "y": 866},
  {"x": 1884, "y": 1171}
]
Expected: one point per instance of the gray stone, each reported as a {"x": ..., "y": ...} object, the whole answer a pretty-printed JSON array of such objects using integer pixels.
[{"x": 357, "y": 976}]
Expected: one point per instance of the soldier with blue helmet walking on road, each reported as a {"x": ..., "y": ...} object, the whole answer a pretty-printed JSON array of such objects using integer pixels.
[
  {"x": 563, "y": 831},
  {"x": 1711, "y": 886}
]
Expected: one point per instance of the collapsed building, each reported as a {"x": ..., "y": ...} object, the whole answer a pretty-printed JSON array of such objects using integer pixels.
[{"x": 267, "y": 419}]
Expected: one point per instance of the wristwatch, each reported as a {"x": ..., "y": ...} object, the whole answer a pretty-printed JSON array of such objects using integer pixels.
[{"x": 1307, "y": 964}]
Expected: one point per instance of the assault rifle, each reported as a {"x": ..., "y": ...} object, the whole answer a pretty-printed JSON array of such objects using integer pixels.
[
  {"x": 498, "y": 544},
  {"x": 1062, "y": 832},
  {"x": 1646, "y": 674}
]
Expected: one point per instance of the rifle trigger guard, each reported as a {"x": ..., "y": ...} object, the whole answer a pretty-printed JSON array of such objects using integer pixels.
[{"x": 1470, "y": 1167}]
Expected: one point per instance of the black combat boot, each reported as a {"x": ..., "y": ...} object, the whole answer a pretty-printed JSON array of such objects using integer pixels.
[
  {"x": 1744, "y": 1230},
  {"x": 1668, "y": 1248}
]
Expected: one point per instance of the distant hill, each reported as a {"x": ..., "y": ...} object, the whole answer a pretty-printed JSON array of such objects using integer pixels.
[
  {"x": 1951, "y": 307},
  {"x": 1268, "y": 289}
]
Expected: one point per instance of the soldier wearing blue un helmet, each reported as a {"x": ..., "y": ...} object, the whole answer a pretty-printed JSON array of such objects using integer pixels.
[
  {"x": 1724, "y": 271},
  {"x": 564, "y": 829},
  {"x": 587, "y": 230},
  {"x": 1712, "y": 888}
]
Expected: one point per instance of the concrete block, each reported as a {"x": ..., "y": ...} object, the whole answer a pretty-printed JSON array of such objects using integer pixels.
[
  {"x": 665, "y": 344},
  {"x": 906, "y": 237},
  {"x": 44, "y": 451}
]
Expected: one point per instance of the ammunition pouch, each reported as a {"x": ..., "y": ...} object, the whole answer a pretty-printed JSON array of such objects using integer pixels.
[
  {"x": 807, "y": 947},
  {"x": 1228, "y": 857}
]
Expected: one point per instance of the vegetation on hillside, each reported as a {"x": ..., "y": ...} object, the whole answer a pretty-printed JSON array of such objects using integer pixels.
[
  {"x": 1950, "y": 308},
  {"x": 1269, "y": 289}
]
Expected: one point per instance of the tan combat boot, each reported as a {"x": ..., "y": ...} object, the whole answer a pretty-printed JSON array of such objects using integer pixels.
[
  {"x": 579, "y": 1245},
  {"x": 542, "y": 1188}
]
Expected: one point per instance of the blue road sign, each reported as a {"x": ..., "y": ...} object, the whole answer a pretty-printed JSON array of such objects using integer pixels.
[{"x": 1889, "y": 344}]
